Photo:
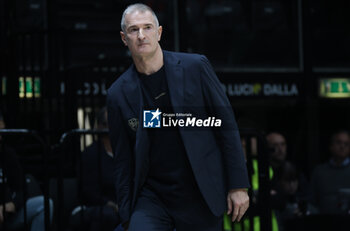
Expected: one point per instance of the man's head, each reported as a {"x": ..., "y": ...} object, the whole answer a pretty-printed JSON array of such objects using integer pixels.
[
  {"x": 278, "y": 146},
  {"x": 340, "y": 145},
  {"x": 140, "y": 30}
]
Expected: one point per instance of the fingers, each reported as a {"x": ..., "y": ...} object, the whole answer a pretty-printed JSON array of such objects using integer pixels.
[
  {"x": 229, "y": 205},
  {"x": 239, "y": 211},
  {"x": 242, "y": 211},
  {"x": 235, "y": 214},
  {"x": 238, "y": 201}
]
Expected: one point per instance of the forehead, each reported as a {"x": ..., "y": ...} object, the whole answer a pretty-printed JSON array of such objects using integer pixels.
[
  {"x": 275, "y": 138},
  {"x": 137, "y": 18},
  {"x": 341, "y": 137}
]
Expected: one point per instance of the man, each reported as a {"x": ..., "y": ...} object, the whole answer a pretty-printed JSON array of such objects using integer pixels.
[
  {"x": 329, "y": 179},
  {"x": 278, "y": 149},
  {"x": 277, "y": 145},
  {"x": 97, "y": 184},
  {"x": 170, "y": 178}
]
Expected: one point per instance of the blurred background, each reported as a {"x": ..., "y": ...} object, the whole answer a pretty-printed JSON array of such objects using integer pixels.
[{"x": 284, "y": 64}]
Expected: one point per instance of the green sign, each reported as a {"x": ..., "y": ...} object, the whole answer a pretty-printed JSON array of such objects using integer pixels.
[
  {"x": 335, "y": 88},
  {"x": 27, "y": 85}
]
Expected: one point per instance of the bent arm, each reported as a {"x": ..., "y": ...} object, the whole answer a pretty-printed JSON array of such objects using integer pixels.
[{"x": 228, "y": 137}]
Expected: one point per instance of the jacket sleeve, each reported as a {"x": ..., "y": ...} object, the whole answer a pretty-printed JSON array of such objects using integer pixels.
[
  {"x": 123, "y": 155},
  {"x": 227, "y": 135}
]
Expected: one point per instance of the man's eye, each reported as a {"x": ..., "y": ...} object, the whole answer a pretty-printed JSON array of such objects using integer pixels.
[{"x": 148, "y": 27}]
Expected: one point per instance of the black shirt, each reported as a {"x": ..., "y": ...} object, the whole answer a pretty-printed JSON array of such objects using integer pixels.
[{"x": 170, "y": 174}]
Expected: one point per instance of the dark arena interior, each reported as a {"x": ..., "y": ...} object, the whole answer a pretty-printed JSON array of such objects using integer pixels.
[{"x": 284, "y": 66}]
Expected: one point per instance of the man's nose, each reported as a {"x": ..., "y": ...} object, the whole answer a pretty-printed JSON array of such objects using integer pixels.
[{"x": 140, "y": 34}]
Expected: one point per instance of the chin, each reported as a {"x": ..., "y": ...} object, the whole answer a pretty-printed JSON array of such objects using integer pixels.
[{"x": 143, "y": 51}]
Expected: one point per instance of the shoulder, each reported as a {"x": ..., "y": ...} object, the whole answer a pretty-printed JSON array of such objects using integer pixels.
[
  {"x": 117, "y": 84},
  {"x": 183, "y": 55},
  {"x": 187, "y": 59},
  {"x": 115, "y": 90}
]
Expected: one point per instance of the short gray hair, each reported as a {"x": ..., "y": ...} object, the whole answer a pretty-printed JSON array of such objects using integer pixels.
[{"x": 137, "y": 7}]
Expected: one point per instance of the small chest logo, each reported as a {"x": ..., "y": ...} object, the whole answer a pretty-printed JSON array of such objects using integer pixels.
[{"x": 133, "y": 123}]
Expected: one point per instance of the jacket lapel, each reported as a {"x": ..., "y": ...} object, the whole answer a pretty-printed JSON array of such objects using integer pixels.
[
  {"x": 132, "y": 91},
  {"x": 175, "y": 79}
]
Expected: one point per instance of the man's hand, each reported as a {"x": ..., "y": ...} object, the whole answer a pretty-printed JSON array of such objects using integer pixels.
[
  {"x": 237, "y": 199},
  {"x": 113, "y": 205}
]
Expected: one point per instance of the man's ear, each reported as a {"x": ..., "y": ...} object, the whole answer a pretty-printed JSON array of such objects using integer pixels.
[
  {"x": 122, "y": 36},
  {"x": 160, "y": 30}
]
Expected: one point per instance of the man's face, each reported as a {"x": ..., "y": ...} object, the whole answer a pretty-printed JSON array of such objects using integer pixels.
[
  {"x": 290, "y": 187},
  {"x": 141, "y": 34},
  {"x": 340, "y": 146},
  {"x": 277, "y": 144}
]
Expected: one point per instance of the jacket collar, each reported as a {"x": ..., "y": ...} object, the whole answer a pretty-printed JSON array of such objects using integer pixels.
[
  {"x": 175, "y": 80},
  {"x": 132, "y": 90}
]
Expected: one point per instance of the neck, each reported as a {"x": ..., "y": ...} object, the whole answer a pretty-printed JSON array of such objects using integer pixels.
[{"x": 149, "y": 64}]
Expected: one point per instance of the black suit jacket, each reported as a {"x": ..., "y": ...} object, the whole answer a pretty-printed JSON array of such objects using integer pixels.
[{"x": 215, "y": 155}]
